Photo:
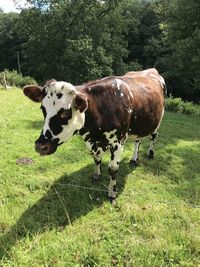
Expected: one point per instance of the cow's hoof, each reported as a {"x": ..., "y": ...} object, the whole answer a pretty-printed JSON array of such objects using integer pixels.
[
  {"x": 133, "y": 163},
  {"x": 150, "y": 154},
  {"x": 96, "y": 177},
  {"x": 112, "y": 201}
]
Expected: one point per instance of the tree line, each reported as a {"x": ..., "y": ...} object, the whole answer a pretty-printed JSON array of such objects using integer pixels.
[{"x": 81, "y": 40}]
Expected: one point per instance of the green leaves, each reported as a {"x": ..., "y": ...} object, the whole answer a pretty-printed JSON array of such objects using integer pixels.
[
  {"x": 73, "y": 40},
  {"x": 81, "y": 40},
  {"x": 182, "y": 31}
]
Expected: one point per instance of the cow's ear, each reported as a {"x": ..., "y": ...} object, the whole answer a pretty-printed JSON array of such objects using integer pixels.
[
  {"x": 34, "y": 92},
  {"x": 80, "y": 102}
]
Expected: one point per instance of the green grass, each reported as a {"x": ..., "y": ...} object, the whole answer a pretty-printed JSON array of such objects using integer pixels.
[{"x": 46, "y": 222}]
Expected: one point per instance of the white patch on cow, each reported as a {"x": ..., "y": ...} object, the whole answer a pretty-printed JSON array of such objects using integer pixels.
[
  {"x": 112, "y": 139},
  {"x": 136, "y": 150},
  {"x": 88, "y": 142},
  {"x": 159, "y": 79},
  {"x": 53, "y": 104},
  {"x": 107, "y": 134},
  {"x": 162, "y": 81},
  {"x": 76, "y": 123},
  {"x": 117, "y": 156},
  {"x": 113, "y": 85},
  {"x": 114, "y": 166},
  {"x": 119, "y": 82},
  {"x": 97, "y": 170},
  {"x": 88, "y": 145},
  {"x": 131, "y": 93},
  {"x": 85, "y": 135},
  {"x": 111, "y": 192},
  {"x": 129, "y": 109}
]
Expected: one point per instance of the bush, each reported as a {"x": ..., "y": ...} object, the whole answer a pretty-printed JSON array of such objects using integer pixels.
[
  {"x": 15, "y": 79},
  {"x": 178, "y": 105}
]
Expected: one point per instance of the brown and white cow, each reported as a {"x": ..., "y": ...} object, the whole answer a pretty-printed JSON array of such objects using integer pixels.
[{"x": 104, "y": 112}]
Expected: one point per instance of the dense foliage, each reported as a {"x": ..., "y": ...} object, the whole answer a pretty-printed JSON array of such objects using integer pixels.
[
  {"x": 176, "y": 104},
  {"x": 83, "y": 40},
  {"x": 15, "y": 79}
]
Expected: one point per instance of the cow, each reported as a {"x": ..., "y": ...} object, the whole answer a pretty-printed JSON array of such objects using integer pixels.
[{"x": 104, "y": 113}]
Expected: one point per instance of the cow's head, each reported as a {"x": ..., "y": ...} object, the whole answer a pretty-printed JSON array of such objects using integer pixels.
[{"x": 63, "y": 110}]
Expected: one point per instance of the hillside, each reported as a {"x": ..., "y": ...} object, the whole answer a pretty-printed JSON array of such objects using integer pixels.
[{"x": 49, "y": 218}]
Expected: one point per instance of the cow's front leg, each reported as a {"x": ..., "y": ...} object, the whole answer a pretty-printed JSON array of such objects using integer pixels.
[
  {"x": 113, "y": 168},
  {"x": 97, "y": 171}
]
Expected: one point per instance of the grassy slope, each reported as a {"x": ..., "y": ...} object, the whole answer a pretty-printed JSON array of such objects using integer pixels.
[{"x": 45, "y": 223}]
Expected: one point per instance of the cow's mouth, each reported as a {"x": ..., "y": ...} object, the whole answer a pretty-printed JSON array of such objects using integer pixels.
[{"x": 46, "y": 148}]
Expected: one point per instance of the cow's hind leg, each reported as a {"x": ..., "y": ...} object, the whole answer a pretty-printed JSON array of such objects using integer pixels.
[
  {"x": 153, "y": 137},
  {"x": 135, "y": 157},
  {"x": 113, "y": 168}
]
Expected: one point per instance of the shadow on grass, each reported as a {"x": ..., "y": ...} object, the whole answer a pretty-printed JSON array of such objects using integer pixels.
[
  {"x": 189, "y": 185},
  {"x": 33, "y": 124},
  {"x": 177, "y": 156},
  {"x": 61, "y": 205},
  {"x": 181, "y": 165}
]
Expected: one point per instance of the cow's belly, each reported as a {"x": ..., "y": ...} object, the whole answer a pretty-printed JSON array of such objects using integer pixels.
[{"x": 144, "y": 124}]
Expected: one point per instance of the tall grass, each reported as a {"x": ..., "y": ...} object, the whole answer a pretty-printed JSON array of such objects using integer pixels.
[{"x": 180, "y": 106}]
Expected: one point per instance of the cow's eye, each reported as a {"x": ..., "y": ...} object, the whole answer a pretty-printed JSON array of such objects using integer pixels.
[{"x": 65, "y": 113}]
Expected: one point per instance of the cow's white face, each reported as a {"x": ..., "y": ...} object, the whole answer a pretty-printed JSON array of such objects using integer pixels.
[{"x": 63, "y": 109}]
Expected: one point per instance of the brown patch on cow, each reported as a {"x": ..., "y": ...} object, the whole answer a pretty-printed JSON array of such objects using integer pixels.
[
  {"x": 34, "y": 92},
  {"x": 137, "y": 112},
  {"x": 80, "y": 102}
]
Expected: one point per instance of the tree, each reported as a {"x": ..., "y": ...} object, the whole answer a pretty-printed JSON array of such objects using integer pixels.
[
  {"x": 9, "y": 41},
  {"x": 82, "y": 40},
  {"x": 182, "y": 34},
  {"x": 73, "y": 40}
]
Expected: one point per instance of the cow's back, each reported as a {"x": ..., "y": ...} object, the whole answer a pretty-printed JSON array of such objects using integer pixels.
[{"x": 132, "y": 104}]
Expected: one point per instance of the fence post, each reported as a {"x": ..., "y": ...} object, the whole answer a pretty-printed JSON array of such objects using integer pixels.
[
  {"x": 18, "y": 62},
  {"x": 4, "y": 81}
]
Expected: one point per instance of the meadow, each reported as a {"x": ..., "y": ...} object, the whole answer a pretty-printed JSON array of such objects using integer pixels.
[{"x": 51, "y": 214}]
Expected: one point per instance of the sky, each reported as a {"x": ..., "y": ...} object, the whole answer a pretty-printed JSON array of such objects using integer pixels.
[{"x": 8, "y": 6}]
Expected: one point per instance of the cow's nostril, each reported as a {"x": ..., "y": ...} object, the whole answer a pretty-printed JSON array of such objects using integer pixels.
[{"x": 43, "y": 148}]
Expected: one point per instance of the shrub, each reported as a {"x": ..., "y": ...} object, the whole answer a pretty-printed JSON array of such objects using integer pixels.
[
  {"x": 15, "y": 79},
  {"x": 180, "y": 106}
]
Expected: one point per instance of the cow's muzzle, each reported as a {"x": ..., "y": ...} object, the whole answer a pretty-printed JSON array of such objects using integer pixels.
[{"x": 46, "y": 148}]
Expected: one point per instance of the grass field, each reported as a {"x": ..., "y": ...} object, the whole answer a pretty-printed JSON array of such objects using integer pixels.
[{"x": 45, "y": 221}]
